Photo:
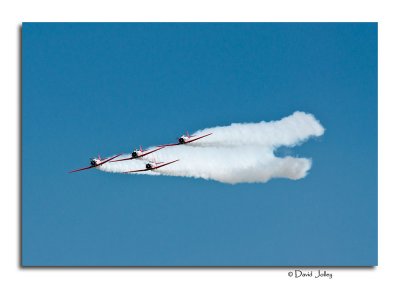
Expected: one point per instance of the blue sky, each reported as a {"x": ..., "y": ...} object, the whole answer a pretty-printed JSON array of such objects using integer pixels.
[{"x": 106, "y": 88}]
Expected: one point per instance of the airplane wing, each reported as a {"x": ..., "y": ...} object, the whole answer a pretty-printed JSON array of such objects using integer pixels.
[
  {"x": 80, "y": 169},
  {"x": 197, "y": 138},
  {"x": 151, "y": 151},
  {"x": 134, "y": 171},
  {"x": 109, "y": 159},
  {"x": 166, "y": 145},
  {"x": 123, "y": 159},
  {"x": 164, "y": 164}
]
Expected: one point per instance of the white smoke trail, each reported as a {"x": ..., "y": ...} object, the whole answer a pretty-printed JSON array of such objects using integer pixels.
[
  {"x": 237, "y": 153},
  {"x": 289, "y": 131}
]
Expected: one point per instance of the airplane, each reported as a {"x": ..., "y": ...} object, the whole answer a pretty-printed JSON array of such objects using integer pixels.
[
  {"x": 95, "y": 162},
  {"x": 138, "y": 153},
  {"x": 152, "y": 166},
  {"x": 185, "y": 139}
]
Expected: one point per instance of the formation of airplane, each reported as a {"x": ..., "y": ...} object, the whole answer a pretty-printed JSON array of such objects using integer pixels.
[{"x": 139, "y": 153}]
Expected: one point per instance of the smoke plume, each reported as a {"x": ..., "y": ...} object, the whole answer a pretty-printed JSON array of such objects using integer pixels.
[{"x": 238, "y": 153}]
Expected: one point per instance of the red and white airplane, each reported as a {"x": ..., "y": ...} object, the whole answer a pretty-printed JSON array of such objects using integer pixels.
[
  {"x": 152, "y": 166},
  {"x": 185, "y": 139},
  {"x": 138, "y": 153},
  {"x": 96, "y": 162}
]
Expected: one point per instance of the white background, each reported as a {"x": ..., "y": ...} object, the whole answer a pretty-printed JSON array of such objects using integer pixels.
[{"x": 13, "y": 13}]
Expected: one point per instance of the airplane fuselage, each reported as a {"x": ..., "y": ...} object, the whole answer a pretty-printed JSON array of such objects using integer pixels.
[
  {"x": 136, "y": 154},
  {"x": 94, "y": 162},
  {"x": 183, "y": 139}
]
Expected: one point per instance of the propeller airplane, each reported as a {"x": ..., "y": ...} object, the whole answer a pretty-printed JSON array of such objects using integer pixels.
[
  {"x": 152, "y": 166},
  {"x": 96, "y": 162},
  {"x": 137, "y": 153},
  {"x": 185, "y": 139}
]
